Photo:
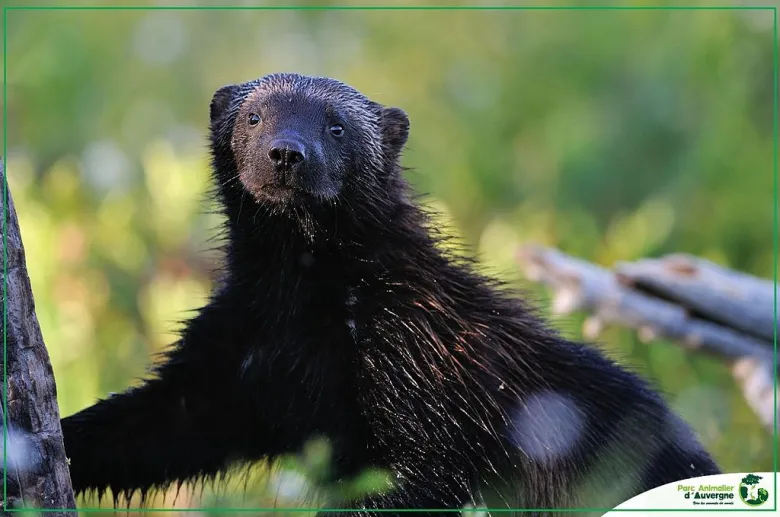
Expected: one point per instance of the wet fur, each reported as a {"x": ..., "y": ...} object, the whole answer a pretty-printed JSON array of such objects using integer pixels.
[{"x": 343, "y": 317}]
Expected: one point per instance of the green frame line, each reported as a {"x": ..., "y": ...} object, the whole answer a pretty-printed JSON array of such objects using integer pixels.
[
  {"x": 775, "y": 240},
  {"x": 775, "y": 236},
  {"x": 5, "y": 258},
  {"x": 388, "y": 8}
]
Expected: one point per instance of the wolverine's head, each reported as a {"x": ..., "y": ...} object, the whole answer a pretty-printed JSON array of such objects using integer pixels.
[{"x": 292, "y": 139}]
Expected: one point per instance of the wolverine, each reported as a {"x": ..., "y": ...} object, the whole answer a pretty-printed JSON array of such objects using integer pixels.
[{"x": 340, "y": 314}]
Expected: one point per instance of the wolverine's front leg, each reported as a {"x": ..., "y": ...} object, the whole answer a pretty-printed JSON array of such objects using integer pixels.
[
  {"x": 184, "y": 423},
  {"x": 168, "y": 429}
]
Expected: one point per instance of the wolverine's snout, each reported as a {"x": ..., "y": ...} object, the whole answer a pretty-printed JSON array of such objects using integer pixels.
[
  {"x": 286, "y": 154},
  {"x": 288, "y": 157}
]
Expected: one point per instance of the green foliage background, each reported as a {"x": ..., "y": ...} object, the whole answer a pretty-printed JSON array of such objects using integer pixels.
[{"x": 609, "y": 134}]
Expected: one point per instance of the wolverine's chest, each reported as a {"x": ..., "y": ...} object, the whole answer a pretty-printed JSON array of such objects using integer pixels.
[
  {"x": 301, "y": 340},
  {"x": 301, "y": 365}
]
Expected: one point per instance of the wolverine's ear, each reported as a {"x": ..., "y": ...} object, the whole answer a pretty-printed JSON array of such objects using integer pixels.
[
  {"x": 395, "y": 128},
  {"x": 221, "y": 101}
]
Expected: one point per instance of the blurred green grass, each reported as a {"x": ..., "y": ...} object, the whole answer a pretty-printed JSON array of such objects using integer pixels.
[{"x": 610, "y": 134}]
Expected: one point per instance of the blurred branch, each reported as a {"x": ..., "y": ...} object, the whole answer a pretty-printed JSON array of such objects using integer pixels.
[
  {"x": 734, "y": 299},
  {"x": 38, "y": 475},
  {"x": 684, "y": 299}
]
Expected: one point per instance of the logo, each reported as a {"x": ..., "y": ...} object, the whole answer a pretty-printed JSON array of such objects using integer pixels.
[
  {"x": 708, "y": 495},
  {"x": 741, "y": 491},
  {"x": 752, "y": 492}
]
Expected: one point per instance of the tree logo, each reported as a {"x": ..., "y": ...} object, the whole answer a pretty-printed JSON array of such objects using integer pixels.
[{"x": 751, "y": 493}]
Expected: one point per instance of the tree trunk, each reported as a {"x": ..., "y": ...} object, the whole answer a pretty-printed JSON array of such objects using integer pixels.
[{"x": 36, "y": 466}]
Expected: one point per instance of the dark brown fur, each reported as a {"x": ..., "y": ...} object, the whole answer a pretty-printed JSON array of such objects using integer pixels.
[{"x": 340, "y": 315}]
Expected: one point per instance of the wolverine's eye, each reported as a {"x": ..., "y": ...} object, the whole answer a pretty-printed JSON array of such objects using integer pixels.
[
  {"x": 337, "y": 130},
  {"x": 254, "y": 119}
]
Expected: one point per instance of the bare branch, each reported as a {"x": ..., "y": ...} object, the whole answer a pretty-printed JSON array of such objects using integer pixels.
[
  {"x": 692, "y": 302},
  {"x": 740, "y": 301}
]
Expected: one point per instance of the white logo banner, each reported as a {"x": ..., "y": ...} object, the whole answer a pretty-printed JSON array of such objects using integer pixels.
[{"x": 746, "y": 491}]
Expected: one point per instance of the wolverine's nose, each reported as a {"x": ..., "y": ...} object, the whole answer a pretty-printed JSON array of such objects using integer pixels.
[{"x": 285, "y": 154}]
